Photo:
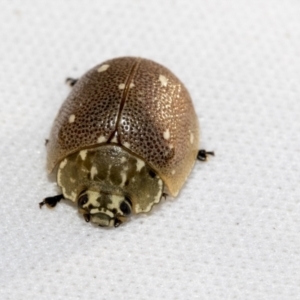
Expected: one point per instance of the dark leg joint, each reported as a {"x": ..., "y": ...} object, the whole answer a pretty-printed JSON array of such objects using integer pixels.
[
  {"x": 202, "y": 154},
  {"x": 71, "y": 81},
  {"x": 165, "y": 195},
  {"x": 51, "y": 201}
]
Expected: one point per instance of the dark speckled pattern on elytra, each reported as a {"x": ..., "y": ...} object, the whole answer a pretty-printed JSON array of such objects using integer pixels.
[{"x": 157, "y": 120}]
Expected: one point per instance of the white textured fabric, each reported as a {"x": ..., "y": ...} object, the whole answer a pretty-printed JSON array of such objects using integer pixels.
[{"x": 233, "y": 232}]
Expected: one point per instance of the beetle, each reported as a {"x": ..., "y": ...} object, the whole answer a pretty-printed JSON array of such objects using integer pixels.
[{"x": 125, "y": 135}]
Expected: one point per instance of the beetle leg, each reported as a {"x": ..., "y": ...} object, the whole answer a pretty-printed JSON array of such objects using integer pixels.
[
  {"x": 202, "y": 154},
  {"x": 165, "y": 195},
  {"x": 71, "y": 81},
  {"x": 51, "y": 201}
]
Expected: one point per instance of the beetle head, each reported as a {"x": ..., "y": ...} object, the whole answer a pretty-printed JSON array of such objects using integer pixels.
[{"x": 104, "y": 209}]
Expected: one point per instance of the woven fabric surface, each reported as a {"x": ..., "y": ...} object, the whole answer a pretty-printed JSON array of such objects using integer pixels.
[{"x": 233, "y": 231}]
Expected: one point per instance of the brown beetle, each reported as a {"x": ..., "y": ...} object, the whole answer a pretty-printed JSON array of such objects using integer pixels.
[{"x": 127, "y": 130}]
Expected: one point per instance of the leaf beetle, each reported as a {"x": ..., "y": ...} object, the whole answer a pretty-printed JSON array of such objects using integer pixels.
[{"x": 125, "y": 135}]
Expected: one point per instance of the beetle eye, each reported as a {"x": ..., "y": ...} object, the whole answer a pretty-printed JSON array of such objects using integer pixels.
[
  {"x": 152, "y": 174},
  {"x": 83, "y": 200},
  {"x": 125, "y": 208}
]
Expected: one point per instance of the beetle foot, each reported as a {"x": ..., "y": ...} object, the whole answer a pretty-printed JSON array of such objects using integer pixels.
[
  {"x": 202, "y": 154},
  {"x": 51, "y": 201},
  {"x": 165, "y": 195},
  {"x": 71, "y": 81}
]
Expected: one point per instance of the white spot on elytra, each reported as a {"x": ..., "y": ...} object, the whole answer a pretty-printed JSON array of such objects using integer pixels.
[
  {"x": 121, "y": 86},
  {"x": 101, "y": 139},
  {"x": 103, "y": 68},
  {"x": 139, "y": 164},
  {"x": 71, "y": 118},
  {"x": 94, "y": 172},
  {"x": 83, "y": 154},
  {"x": 72, "y": 180},
  {"x": 166, "y": 134},
  {"x": 191, "y": 138},
  {"x": 131, "y": 85},
  {"x": 127, "y": 145},
  {"x": 173, "y": 172},
  {"x": 163, "y": 80},
  {"x": 123, "y": 159}
]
